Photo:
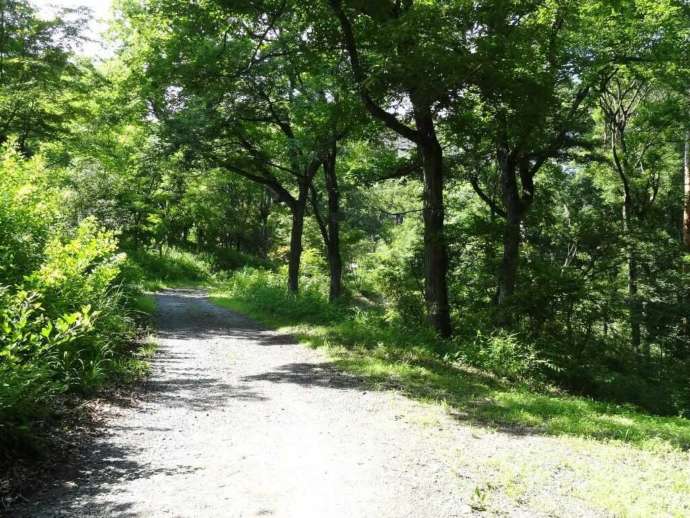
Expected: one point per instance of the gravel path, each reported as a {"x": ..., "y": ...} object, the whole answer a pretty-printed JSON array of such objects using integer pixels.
[{"x": 237, "y": 421}]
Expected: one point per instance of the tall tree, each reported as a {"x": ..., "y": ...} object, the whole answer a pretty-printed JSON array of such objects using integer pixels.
[
  {"x": 686, "y": 199},
  {"x": 537, "y": 64},
  {"x": 40, "y": 86},
  {"x": 398, "y": 58},
  {"x": 636, "y": 116},
  {"x": 253, "y": 104}
]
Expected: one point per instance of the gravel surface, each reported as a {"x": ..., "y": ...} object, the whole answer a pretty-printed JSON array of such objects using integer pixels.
[{"x": 237, "y": 421}]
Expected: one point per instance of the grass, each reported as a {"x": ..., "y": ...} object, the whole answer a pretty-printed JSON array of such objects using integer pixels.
[
  {"x": 386, "y": 356},
  {"x": 612, "y": 477},
  {"x": 168, "y": 268},
  {"x": 144, "y": 303},
  {"x": 620, "y": 459}
]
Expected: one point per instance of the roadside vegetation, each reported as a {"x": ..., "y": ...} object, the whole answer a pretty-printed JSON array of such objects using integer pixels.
[
  {"x": 547, "y": 241},
  {"x": 68, "y": 323},
  {"x": 606, "y": 450},
  {"x": 502, "y": 388},
  {"x": 484, "y": 204}
]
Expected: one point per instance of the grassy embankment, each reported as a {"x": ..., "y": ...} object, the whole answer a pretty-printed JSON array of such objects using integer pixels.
[{"x": 629, "y": 463}]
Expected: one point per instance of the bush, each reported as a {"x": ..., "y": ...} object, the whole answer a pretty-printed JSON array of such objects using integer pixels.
[
  {"x": 64, "y": 324},
  {"x": 505, "y": 355},
  {"x": 268, "y": 291},
  {"x": 27, "y": 214},
  {"x": 168, "y": 265},
  {"x": 37, "y": 359}
]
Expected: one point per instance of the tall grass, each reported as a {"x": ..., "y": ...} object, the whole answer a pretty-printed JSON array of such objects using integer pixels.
[{"x": 167, "y": 267}]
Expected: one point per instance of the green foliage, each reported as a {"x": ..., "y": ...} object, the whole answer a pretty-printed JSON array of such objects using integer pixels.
[
  {"x": 40, "y": 84},
  {"x": 64, "y": 324},
  {"x": 203, "y": 141},
  {"x": 28, "y": 209},
  {"x": 267, "y": 290},
  {"x": 362, "y": 342},
  {"x": 168, "y": 267},
  {"x": 78, "y": 269},
  {"x": 505, "y": 355}
]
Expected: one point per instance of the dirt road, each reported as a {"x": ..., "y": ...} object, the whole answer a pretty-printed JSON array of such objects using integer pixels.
[{"x": 237, "y": 421}]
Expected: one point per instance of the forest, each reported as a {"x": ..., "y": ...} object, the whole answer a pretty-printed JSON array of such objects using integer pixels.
[{"x": 447, "y": 187}]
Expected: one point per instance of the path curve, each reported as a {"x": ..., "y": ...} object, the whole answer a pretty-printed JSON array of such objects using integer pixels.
[{"x": 238, "y": 421}]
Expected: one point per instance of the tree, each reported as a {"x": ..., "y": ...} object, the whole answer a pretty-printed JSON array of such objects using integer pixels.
[
  {"x": 261, "y": 104},
  {"x": 537, "y": 66},
  {"x": 636, "y": 115},
  {"x": 417, "y": 72},
  {"x": 686, "y": 203},
  {"x": 39, "y": 78}
]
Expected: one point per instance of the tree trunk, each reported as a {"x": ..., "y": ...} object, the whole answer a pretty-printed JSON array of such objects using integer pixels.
[
  {"x": 508, "y": 269},
  {"x": 435, "y": 249},
  {"x": 335, "y": 261},
  {"x": 635, "y": 309},
  {"x": 264, "y": 234},
  {"x": 686, "y": 222},
  {"x": 686, "y": 212},
  {"x": 298, "y": 209},
  {"x": 507, "y": 275},
  {"x": 633, "y": 299}
]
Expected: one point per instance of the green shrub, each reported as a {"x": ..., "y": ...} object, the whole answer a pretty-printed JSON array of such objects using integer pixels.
[
  {"x": 27, "y": 214},
  {"x": 37, "y": 360},
  {"x": 63, "y": 327},
  {"x": 78, "y": 269},
  {"x": 268, "y": 291},
  {"x": 168, "y": 265},
  {"x": 504, "y": 354}
]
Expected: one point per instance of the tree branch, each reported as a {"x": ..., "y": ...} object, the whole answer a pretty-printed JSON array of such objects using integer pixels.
[
  {"x": 390, "y": 120},
  {"x": 474, "y": 181}
]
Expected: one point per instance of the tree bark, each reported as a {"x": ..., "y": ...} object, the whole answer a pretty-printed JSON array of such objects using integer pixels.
[
  {"x": 635, "y": 307},
  {"x": 517, "y": 199},
  {"x": 435, "y": 248},
  {"x": 264, "y": 214},
  {"x": 508, "y": 269},
  {"x": 635, "y": 313},
  {"x": 686, "y": 221},
  {"x": 686, "y": 211},
  {"x": 299, "y": 207},
  {"x": 298, "y": 210},
  {"x": 335, "y": 261}
]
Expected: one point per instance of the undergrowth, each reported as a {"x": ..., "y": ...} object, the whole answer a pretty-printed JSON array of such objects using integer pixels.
[
  {"x": 488, "y": 387},
  {"x": 626, "y": 462},
  {"x": 168, "y": 267},
  {"x": 71, "y": 321}
]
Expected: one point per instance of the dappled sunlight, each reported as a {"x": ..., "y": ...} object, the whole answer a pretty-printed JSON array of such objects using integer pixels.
[{"x": 373, "y": 352}]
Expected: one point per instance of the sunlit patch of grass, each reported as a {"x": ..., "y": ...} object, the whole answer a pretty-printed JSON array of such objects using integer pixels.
[
  {"x": 384, "y": 356},
  {"x": 421, "y": 374},
  {"x": 644, "y": 484},
  {"x": 604, "y": 476},
  {"x": 609, "y": 458},
  {"x": 168, "y": 268}
]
